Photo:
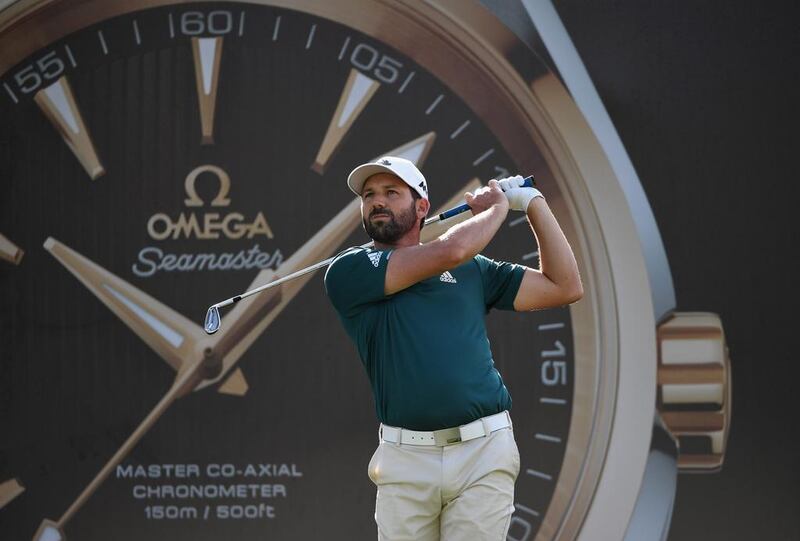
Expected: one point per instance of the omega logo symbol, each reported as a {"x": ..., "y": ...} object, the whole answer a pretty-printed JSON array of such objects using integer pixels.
[
  {"x": 224, "y": 187},
  {"x": 208, "y": 225}
]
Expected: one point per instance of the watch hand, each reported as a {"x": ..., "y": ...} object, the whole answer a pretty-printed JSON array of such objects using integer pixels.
[
  {"x": 248, "y": 323},
  {"x": 250, "y": 317},
  {"x": 190, "y": 374},
  {"x": 174, "y": 337}
]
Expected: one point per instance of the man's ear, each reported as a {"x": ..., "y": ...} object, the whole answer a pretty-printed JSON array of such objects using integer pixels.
[{"x": 423, "y": 206}]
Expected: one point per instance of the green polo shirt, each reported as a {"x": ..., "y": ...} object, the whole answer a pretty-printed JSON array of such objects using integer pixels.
[{"x": 425, "y": 348}]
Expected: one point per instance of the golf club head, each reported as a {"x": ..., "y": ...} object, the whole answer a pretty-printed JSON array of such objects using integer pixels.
[
  {"x": 49, "y": 531},
  {"x": 212, "y": 322}
]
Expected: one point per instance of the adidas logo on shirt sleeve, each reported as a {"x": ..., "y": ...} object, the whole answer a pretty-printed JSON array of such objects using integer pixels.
[{"x": 375, "y": 258}]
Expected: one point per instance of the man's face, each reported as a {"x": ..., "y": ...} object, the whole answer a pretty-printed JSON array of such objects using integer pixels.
[{"x": 387, "y": 208}]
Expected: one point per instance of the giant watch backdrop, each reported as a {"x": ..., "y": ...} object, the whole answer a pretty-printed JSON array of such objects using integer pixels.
[{"x": 160, "y": 157}]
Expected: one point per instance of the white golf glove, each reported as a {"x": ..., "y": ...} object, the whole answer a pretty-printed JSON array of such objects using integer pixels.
[{"x": 518, "y": 198}]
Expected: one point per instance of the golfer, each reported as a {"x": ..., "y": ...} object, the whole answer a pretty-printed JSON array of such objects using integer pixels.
[{"x": 447, "y": 461}]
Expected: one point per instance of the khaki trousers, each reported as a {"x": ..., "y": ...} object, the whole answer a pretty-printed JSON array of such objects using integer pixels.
[{"x": 461, "y": 491}]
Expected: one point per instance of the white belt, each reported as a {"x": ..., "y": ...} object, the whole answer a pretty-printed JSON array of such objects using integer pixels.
[{"x": 447, "y": 436}]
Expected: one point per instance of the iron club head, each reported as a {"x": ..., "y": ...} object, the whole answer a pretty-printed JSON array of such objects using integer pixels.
[{"x": 212, "y": 321}]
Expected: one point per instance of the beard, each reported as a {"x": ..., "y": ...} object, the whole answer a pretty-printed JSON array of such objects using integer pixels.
[{"x": 392, "y": 228}]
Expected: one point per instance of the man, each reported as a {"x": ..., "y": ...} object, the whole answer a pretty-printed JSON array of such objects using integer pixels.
[{"x": 447, "y": 461}]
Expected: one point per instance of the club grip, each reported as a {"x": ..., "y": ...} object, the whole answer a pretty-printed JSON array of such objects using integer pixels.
[{"x": 527, "y": 183}]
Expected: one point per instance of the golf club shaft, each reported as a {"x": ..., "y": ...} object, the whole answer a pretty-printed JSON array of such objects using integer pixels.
[
  {"x": 455, "y": 211},
  {"x": 281, "y": 280}
]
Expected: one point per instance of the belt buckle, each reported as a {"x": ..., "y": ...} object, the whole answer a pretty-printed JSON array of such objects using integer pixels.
[{"x": 446, "y": 436}]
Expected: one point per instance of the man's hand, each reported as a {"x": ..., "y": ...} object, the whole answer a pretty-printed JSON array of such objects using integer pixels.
[
  {"x": 487, "y": 197},
  {"x": 518, "y": 198}
]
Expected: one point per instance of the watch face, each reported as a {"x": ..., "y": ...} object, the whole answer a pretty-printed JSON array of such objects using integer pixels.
[{"x": 158, "y": 160}]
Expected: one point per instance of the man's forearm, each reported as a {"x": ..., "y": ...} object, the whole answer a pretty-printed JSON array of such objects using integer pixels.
[
  {"x": 556, "y": 260},
  {"x": 468, "y": 238}
]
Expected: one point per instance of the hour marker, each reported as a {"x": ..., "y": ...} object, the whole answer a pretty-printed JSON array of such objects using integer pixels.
[
  {"x": 207, "y": 55},
  {"x": 550, "y": 326},
  {"x": 11, "y": 93},
  {"x": 70, "y": 56},
  {"x": 458, "y": 197},
  {"x": 10, "y": 251},
  {"x": 102, "y": 41},
  {"x": 277, "y": 27},
  {"x": 530, "y": 255},
  {"x": 415, "y": 151},
  {"x": 236, "y": 384},
  {"x": 136, "y": 34},
  {"x": 560, "y": 351},
  {"x": 540, "y": 475},
  {"x": 344, "y": 47},
  {"x": 483, "y": 156},
  {"x": 358, "y": 90},
  {"x": 459, "y": 130},
  {"x": 9, "y": 490},
  {"x": 311, "y": 36},
  {"x": 241, "y": 24},
  {"x": 517, "y": 221},
  {"x": 58, "y": 105},
  {"x": 547, "y": 437},
  {"x": 171, "y": 27},
  {"x": 554, "y": 401},
  {"x": 433, "y": 105},
  {"x": 524, "y": 509},
  {"x": 437, "y": 228},
  {"x": 405, "y": 83}
]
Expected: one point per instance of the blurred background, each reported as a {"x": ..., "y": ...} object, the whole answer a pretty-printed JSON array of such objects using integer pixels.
[{"x": 703, "y": 95}]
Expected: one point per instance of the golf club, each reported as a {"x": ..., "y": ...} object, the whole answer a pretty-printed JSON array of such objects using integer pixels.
[{"x": 213, "y": 319}]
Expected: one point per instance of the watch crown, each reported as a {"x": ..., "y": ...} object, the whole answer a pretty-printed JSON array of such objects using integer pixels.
[{"x": 694, "y": 388}]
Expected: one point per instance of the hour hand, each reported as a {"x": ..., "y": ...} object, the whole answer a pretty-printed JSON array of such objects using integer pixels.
[{"x": 174, "y": 337}]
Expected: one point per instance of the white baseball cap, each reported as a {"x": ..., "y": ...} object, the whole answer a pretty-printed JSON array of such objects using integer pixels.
[{"x": 401, "y": 167}]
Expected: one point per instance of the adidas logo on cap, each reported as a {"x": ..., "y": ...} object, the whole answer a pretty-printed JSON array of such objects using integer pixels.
[{"x": 447, "y": 277}]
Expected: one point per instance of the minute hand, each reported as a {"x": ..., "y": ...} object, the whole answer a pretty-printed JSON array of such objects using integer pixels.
[{"x": 245, "y": 323}]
